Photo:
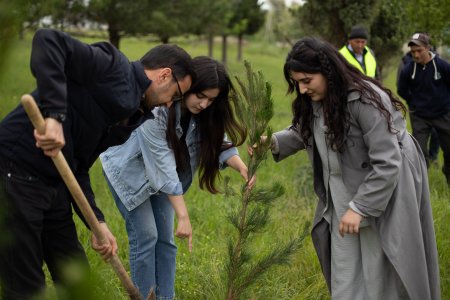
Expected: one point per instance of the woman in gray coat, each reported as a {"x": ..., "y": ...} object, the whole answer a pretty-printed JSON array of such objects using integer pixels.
[{"x": 373, "y": 228}]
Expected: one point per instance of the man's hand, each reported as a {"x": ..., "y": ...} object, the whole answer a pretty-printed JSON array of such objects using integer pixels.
[
  {"x": 184, "y": 230},
  {"x": 52, "y": 141},
  {"x": 106, "y": 250},
  {"x": 350, "y": 222}
]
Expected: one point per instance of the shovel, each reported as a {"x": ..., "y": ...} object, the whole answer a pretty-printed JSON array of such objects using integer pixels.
[{"x": 66, "y": 173}]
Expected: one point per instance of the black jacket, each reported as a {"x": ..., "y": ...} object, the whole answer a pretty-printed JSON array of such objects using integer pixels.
[
  {"x": 426, "y": 88},
  {"x": 95, "y": 86}
]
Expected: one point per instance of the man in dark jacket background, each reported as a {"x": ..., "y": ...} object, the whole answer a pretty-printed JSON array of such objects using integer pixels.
[
  {"x": 424, "y": 83},
  {"x": 433, "y": 145},
  {"x": 91, "y": 97}
]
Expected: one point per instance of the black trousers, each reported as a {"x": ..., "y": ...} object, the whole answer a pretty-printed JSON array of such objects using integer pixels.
[
  {"x": 36, "y": 225},
  {"x": 422, "y": 130}
]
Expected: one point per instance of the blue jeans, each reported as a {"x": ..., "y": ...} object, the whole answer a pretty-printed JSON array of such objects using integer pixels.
[{"x": 153, "y": 252}]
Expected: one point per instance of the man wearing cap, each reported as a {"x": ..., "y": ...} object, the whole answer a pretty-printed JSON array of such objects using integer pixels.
[
  {"x": 424, "y": 83},
  {"x": 359, "y": 54}
]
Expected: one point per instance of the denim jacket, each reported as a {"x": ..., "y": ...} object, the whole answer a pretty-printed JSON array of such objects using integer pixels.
[{"x": 145, "y": 164}]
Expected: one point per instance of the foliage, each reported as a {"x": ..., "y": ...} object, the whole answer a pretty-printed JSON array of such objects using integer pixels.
[
  {"x": 79, "y": 283},
  {"x": 333, "y": 19},
  {"x": 251, "y": 215},
  {"x": 216, "y": 14},
  {"x": 122, "y": 17},
  {"x": 431, "y": 16},
  {"x": 281, "y": 24},
  {"x": 163, "y": 26},
  {"x": 68, "y": 12},
  {"x": 390, "y": 22},
  {"x": 388, "y": 32},
  {"x": 55, "y": 13},
  {"x": 256, "y": 111},
  {"x": 199, "y": 13},
  {"x": 9, "y": 19},
  {"x": 247, "y": 18},
  {"x": 168, "y": 19},
  {"x": 386, "y": 21},
  {"x": 32, "y": 12}
]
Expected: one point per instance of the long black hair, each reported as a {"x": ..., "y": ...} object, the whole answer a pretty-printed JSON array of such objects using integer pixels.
[
  {"x": 312, "y": 56},
  {"x": 212, "y": 123}
]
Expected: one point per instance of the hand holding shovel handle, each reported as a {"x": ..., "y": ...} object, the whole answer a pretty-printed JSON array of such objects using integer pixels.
[{"x": 67, "y": 175}]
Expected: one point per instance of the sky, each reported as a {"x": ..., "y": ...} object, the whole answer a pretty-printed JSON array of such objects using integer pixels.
[{"x": 288, "y": 3}]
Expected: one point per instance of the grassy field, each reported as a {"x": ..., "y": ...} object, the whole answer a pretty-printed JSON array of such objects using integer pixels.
[{"x": 200, "y": 274}]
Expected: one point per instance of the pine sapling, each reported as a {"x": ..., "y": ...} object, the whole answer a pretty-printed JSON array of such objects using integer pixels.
[{"x": 251, "y": 213}]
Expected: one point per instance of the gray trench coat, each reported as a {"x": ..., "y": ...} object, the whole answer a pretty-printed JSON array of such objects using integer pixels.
[{"x": 386, "y": 174}]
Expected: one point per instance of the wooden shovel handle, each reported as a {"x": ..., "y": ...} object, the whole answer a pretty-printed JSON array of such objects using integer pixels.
[{"x": 67, "y": 175}]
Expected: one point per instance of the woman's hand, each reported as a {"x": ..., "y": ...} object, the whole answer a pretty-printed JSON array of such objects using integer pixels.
[
  {"x": 184, "y": 230},
  {"x": 250, "y": 149},
  {"x": 237, "y": 164},
  {"x": 350, "y": 222},
  {"x": 244, "y": 173},
  {"x": 106, "y": 250}
]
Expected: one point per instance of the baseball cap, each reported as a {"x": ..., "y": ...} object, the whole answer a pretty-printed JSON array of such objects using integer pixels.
[{"x": 419, "y": 39}]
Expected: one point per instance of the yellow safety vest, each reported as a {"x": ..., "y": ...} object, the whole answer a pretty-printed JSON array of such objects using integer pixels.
[{"x": 369, "y": 61}]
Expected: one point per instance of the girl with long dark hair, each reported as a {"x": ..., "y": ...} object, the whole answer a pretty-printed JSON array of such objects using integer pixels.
[
  {"x": 373, "y": 228},
  {"x": 149, "y": 174}
]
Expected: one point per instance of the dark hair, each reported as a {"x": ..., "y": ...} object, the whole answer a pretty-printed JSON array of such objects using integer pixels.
[
  {"x": 169, "y": 56},
  {"x": 311, "y": 55},
  {"x": 212, "y": 123}
]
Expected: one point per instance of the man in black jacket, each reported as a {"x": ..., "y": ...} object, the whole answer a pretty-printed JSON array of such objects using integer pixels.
[
  {"x": 424, "y": 83},
  {"x": 92, "y": 97},
  {"x": 433, "y": 148}
]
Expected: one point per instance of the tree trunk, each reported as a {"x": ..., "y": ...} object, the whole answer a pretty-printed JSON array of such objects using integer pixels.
[
  {"x": 164, "y": 39},
  {"x": 210, "y": 44},
  {"x": 114, "y": 36},
  {"x": 239, "y": 54},
  {"x": 224, "y": 49},
  {"x": 337, "y": 34}
]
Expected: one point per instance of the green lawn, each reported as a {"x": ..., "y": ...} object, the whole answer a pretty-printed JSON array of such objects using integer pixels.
[{"x": 200, "y": 274}]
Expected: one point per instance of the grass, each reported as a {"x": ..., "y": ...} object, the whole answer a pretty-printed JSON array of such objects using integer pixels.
[{"x": 200, "y": 274}]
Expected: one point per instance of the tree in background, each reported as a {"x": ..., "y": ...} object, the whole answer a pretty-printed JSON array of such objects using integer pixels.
[
  {"x": 12, "y": 17},
  {"x": 169, "y": 19},
  {"x": 386, "y": 21},
  {"x": 209, "y": 18},
  {"x": 122, "y": 17},
  {"x": 333, "y": 19},
  {"x": 388, "y": 32},
  {"x": 31, "y": 13},
  {"x": 248, "y": 17},
  {"x": 430, "y": 16},
  {"x": 280, "y": 23},
  {"x": 67, "y": 13},
  {"x": 251, "y": 214}
]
